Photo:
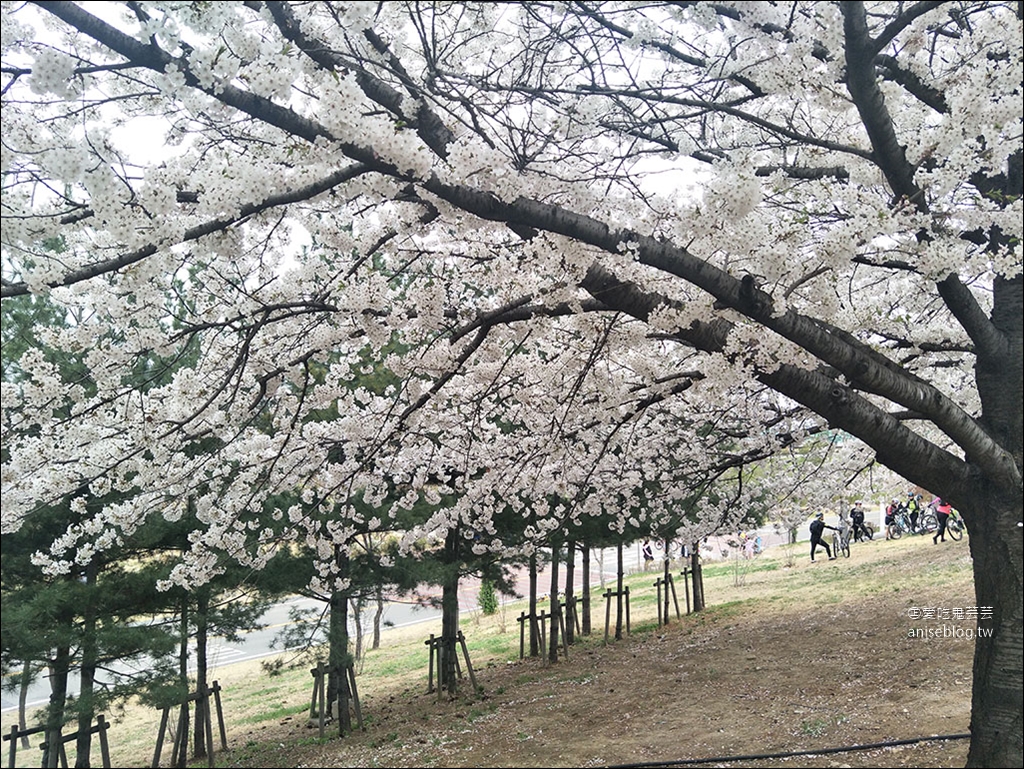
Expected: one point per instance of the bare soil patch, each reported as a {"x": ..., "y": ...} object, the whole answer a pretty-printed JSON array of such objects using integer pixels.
[{"x": 804, "y": 657}]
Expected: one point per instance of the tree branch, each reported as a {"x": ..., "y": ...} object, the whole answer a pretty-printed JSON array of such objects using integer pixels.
[{"x": 194, "y": 233}]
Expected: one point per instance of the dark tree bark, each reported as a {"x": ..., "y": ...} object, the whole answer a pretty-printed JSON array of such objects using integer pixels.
[
  {"x": 202, "y": 620},
  {"x": 339, "y": 693},
  {"x": 697, "y": 577},
  {"x": 58, "y": 699},
  {"x": 378, "y": 615},
  {"x": 619, "y": 593},
  {"x": 87, "y": 675},
  {"x": 585, "y": 620},
  {"x": 449, "y": 678},
  {"x": 570, "y": 586},
  {"x": 996, "y": 706},
  {"x": 184, "y": 633},
  {"x": 23, "y": 685},
  {"x": 534, "y": 629},
  {"x": 556, "y": 611},
  {"x": 356, "y": 607},
  {"x": 666, "y": 577}
]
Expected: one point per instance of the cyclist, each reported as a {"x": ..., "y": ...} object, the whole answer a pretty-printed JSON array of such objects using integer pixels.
[
  {"x": 914, "y": 508},
  {"x": 818, "y": 527},
  {"x": 890, "y": 517},
  {"x": 942, "y": 511},
  {"x": 857, "y": 519}
]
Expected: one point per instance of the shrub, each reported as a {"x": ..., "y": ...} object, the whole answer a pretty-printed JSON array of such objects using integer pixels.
[{"x": 487, "y": 598}]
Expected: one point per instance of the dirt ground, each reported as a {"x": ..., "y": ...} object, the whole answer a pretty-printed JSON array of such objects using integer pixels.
[{"x": 790, "y": 656}]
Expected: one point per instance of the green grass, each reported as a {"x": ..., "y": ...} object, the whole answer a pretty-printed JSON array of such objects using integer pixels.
[
  {"x": 275, "y": 713},
  {"x": 814, "y": 728}
]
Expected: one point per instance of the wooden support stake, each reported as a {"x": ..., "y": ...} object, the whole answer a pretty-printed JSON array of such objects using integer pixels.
[
  {"x": 565, "y": 642},
  {"x": 102, "y": 726},
  {"x": 522, "y": 635},
  {"x": 178, "y": 753},
  {"x": 430, "y": 668},
  {"x": 318, "y": 704},
  {"x": 627, "y": 609},
  {"x": 469, "y": 665},
  {"x": 355, "y": 695},
  {"x": 686, "y": 587},
  {"x": 160, "y": 738},
  {"x": 607, "y": 613},
  {"x": 13, "y": 737}
]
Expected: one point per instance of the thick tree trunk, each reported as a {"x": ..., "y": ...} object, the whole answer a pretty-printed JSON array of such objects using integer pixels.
[
  {"x": 178, "y": 758},
  {"x": 994, "y": 518},
  {"x": 58, "y": 701},
  {"x": 698, "y": 578},
  {"x": 448, "y": 678},
  {"x": 199, "y": 746},
  {"x": 87, "y": 678},
  {"x": 996, "y": 548},
  {"x": 26, "y": 680},
  {"x": 339, "y": 693}
]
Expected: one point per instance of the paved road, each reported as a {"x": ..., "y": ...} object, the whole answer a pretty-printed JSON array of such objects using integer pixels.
[{"x": 253, "y": 645}]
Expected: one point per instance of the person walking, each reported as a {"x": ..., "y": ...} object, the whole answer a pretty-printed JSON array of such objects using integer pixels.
[
  {"x": 818, "y": 527},
  {"x": 942, "y": 511},
  {"x": 648, "y": 554},
  {"x": 749, "y": 547}
]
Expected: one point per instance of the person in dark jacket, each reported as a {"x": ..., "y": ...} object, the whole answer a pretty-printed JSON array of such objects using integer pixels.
[
  {"x": 857, "y": 519},
  {"x": 914, "y": 508},
  {"x": 817, "y": 529}
]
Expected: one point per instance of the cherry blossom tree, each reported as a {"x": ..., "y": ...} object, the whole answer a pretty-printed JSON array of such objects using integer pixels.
[{"x": 600, "y": 247}]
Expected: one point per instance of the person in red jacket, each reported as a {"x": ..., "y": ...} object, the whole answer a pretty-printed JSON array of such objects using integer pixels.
[
  {"x": 890, "y": 516},
  {"x": 942, "y": 511}
]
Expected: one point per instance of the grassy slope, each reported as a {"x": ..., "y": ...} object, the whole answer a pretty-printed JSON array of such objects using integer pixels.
[{"x": 266, "y": 716}]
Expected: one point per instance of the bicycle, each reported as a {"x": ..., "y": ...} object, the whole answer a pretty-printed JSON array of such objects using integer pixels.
[
  {"x": 955, "y": 527},
  {"x": 841, "y": 541},
  {"x": 929, "y": 523},
  {"x": 864, "y": 531},
  {"x": 900, "y": 524}
]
